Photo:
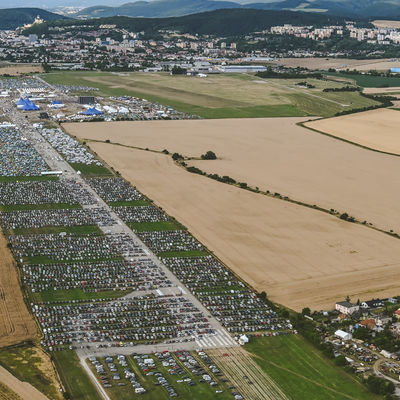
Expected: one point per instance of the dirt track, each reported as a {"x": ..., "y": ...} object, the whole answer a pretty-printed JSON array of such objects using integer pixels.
[
  {"x": 299, "y": 256},
  {"x": 16, "y": 323}
]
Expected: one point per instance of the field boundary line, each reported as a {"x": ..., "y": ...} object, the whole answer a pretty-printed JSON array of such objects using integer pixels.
[{"x": 303, "y": 125}]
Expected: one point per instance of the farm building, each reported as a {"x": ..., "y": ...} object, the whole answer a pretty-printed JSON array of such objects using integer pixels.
[
  {"x": 343, "y": 335},
  {"x": 345, "y": 307}
]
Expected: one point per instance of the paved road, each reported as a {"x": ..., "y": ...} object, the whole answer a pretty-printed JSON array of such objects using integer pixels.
[{"x": 92, "y": 377}]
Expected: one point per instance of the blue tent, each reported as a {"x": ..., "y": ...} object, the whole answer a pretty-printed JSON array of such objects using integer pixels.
[
  {"x": 92, "y": 111},
  {"x": 21, "y": 102},
  {"x": 56, "y": 102},
  {"x": 30, "y": 106}
]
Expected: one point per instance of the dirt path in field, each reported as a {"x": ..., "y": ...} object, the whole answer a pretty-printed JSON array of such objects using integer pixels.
[
  {"x": 16, "y": 323},
  {"x": 240, "y": 369},
  {"x": 23, "y": 389}
]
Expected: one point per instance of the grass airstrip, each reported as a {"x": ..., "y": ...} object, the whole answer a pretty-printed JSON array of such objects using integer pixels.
[{"x": 221, "y": 95}]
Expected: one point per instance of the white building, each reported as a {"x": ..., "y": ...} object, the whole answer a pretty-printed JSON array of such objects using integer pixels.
[
  {"x": 343, "y": 335},
  {"x": 345, "y": 307}
]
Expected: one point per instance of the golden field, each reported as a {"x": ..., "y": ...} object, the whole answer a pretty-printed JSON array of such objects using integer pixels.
[{"x": 299, "y": 256}]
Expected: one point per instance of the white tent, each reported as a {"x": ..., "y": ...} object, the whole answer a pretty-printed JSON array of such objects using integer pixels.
[{"x": 343, "y": 335}]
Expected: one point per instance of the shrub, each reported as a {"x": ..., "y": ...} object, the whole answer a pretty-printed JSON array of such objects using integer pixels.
[
  {"x": 177, "y": 156},
  {"x": 210, "y": 155}
]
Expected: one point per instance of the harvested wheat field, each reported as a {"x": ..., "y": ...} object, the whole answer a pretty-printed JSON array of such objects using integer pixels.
[
  {"x": 376, "y": 129},
  {"x": 15, "y": 70},
  {"x": 299, "y": 256},
  {"x": 16, "y": 389},
  {"x": 383, "y": 23},
  {"x": 389, "y": 90},
  {"x": 16, "y": 323},
  {"x": 339, "y": 63},
  {"x": 275, "y": 155}
]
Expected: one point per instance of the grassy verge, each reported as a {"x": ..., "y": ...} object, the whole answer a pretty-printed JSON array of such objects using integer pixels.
[
  {"x": 299, "y": 369},
  {"x": 190, "y": 253},
  {"x": 75, "y": 294},
  {"x": 80, "y": 230},
  {"x": 154, "y": 226},
  {"x": 75, "y": 380},
  {"x": 25, "y": 364},
  {"x": 93, "y": 170},
  {"x": 27, "y": 207},
  {"x": 48, "y": 260},
  {"x": 27, "y": 178}
]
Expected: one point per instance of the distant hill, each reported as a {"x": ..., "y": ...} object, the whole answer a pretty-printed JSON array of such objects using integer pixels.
[
  {"x": 351, "y": 8},
  {"x": 169, "y": 8},
  {"x": 11, "y": 18},
  {"x": 157, "y": 8},
  {"x": 219, "y": 22}
]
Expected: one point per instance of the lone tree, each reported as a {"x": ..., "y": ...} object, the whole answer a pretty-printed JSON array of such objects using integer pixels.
[
  {"x": 177, "y": 70},
  {"x": 210, "y": 155},
  {"x": 177, "y": 156}
]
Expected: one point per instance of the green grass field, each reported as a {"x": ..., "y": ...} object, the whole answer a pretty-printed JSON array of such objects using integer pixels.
[
  {"x": 27, "y": 178},
  {"x": 27, "y": 207},
  {"x": 91, "y": 170},
  {"x": 24, "y": 363},
  {"x": 301, "y": 370},
  {"x": 80, "y": 230},
  {"x": 76, "y": 381},
  {"x": 221, "y": 95},
  {"x": 368, "y": 81},
  {"x": 48, "y": 260},
  {"x": 154, "y": 226},
  {"x": 75, "y": 294}
]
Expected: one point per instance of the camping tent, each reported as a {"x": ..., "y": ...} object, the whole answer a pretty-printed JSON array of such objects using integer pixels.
[
  {"x": 29, "y": 106},
  {"x": 56, "y": 104},
  {"x": 92, "y": 111}
]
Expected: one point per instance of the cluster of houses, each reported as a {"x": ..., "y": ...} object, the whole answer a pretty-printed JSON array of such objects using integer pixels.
[
  {"x": 369, "y": 315},
  {"x": 370, "y": 35}
]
